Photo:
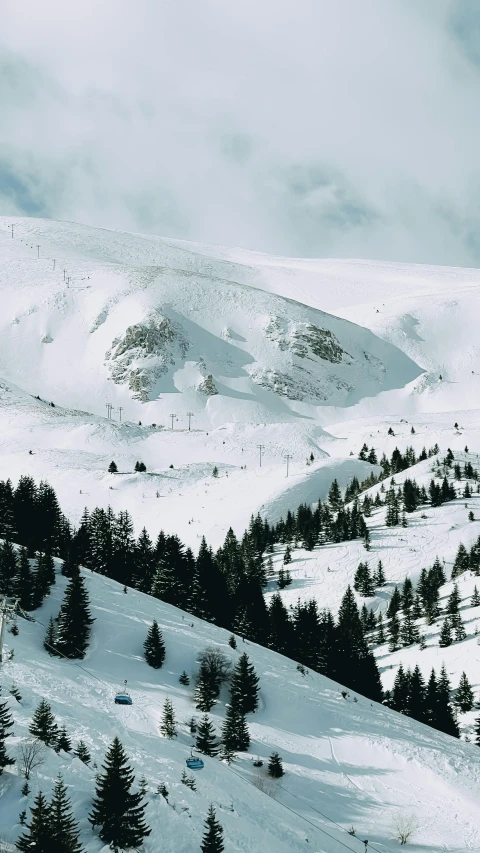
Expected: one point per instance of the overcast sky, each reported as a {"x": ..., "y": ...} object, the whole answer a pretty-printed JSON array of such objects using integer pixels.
[{"x": 299, "y": 127}]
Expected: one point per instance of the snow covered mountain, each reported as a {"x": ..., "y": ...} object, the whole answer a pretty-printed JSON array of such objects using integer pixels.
[
  {"x": 349, "y": 763},
  {"x": 259, "y": 367}
]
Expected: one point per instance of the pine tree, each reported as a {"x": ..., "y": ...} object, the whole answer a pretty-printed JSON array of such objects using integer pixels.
[
  {"x": 62, "y": 825},
  {"x": 74, "y": 620},
  {"x": 459, "y": 628},
  {"x": 184, "y": 679},
  {"x": 206, "y": 741},
  {"x": 206, "y": 692},
  {"x": 445, "y": 719},
  {"x": 379, "y": 578},
  {"x": 409, "y": 631},
  {"x": 168, "y": 726},
  {"x": 235, "y": 735},
  {"x": 275, "y": 766},
  {"x": 6, "y": 723},
  {"x": 212, "y": 841},
  {"x": 39, "y": 838},
  {"x": 112, "y": 468},
  {"x": 63, "y": 741},
  {"x": 50, "y": 637},
  {"x": 154, "y": 647},
  {"x": 445, "y": 638},
  {"x": 43, "y": 725},
  {"x": 394, "y": 633},
  {"x": 23, "y": 581},
  {"x": 475, "y": 600},
  {"x": 118, "y": 811},
  {"x": 415, "y": 705},
  {"x": 244, "y": 686},
  {"x": 453, "y": 601},
  {"x": 380, "y": 638},
  {"x": 81, "y": 752},
  {"x": 464, "y": 695},
  {"x": 287, "y": 557}
]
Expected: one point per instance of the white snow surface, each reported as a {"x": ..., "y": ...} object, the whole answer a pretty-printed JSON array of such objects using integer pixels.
[
  {"x": 348, "y": 763},
  {"x": 157, "y": 327}
]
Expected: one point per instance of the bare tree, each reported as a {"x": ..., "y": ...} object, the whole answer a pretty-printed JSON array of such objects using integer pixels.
[
  {"x": 31, "y": 755},
  {"x": 404, "y": 827},
  {"x": 266, "y": 785},
  {"x": 216, "y": 665}
]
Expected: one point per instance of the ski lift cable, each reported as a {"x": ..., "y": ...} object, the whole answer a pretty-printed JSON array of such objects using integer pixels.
[{"x": 302, "y": 817}]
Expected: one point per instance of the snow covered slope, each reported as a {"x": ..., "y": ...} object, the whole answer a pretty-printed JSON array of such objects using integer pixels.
[
  {"x": 104, "y": 317},
  {"x": 348, "y": 763}
]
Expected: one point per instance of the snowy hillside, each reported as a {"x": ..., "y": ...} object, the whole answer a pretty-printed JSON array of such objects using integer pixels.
[{"x": 348, "y": 763}]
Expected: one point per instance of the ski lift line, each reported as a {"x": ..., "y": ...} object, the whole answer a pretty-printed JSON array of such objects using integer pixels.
[
  {"x": 302, "y": 817},
  {"x": 370, "y": 844}
]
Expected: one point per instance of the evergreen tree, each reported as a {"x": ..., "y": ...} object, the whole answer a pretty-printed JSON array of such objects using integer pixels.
[
  {"x": 6, "y": 723},
  {"x": 445, "y": 634},
  {"x": 380, "y": 638},
  {"x": 50, "y": 637},
  {"x": 206, "y": 692},
  {"x": 39, "y": 838},
  {"x": 212, "y": 841},
  {"x": 235, "y": 735},
  {"x": 63, "y": 827},
  {"x": 464, "y": 695},
  {"x": 116, "y": 810},
  {"x": 475, "y": 600},
  {"x": 407, "y": 595},
  {"x": 244, "y": 686},
  {"x": 184, "y": 679},
  {"x": 400, "y": 690},
  {"x": 445, "y": 719},
  {"x": 23, "y": 581},
  {"x": 63, "y": 741},
  {"x": 453, "y": 601},
  {"x": 394, "y": 604},
  {"x": 206, "y": 741},
  {"x": 43, "y": 725},
  {"x": 275, "y": 766},
  {"x": 379, "y": 578},
  {"x": 335, "y": 497},
  {"x": 459, "y": 628},
  {"x": 431, "y": 700},
  {"x": 74, "y": 620},
  {"x": 154, "y": 647},
  {"x": 394, "y": 633},
  {"x": 112, "y": 468},
  {"x": 81, "y": 752},
  {"x": 461, "y": 563},
  {"x": 409, "y": 631},
  {"x": 287, "y": 557},
  {"x": 415, "y": 705},
  {"x": 8, "y": 567},
  {"x": 168, "y": 726}
]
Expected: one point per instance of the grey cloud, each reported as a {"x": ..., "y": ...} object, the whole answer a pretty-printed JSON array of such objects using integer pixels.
[{"x": 313, "y": 128}]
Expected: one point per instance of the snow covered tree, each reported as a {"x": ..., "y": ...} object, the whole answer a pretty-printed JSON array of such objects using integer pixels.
[
  {"x": 235, "y": 735},
  {"x": 63, "y": 828},
  {"x": 116, "y": 810},
  {"x": 464, "y": 698},
  {"x": 154, "y": 647},
  {"x": 39, "y": 837},
  {"x": 212, "y": 841},
  {"x": 453, "y": 601},
  {"x": 168, "y": 725},
  {"x": 287, "y": 557},
  {"x": 445, "y": 638},
  {"x": 6, "y": 723},
  {"x": 184, "y": 679},
  {"x": 81, "y": 752},
  {"x": 275, "y": 766},
  {"x": 63, "y": 741},
  {"x": 461, "y": 563},
  {"x": 459, "y": 628},
  {"x": 43, "y": 725},
  {"x": 206, "y": 741},
  {"x": 244, "y": 686},
  {"x": 74, "y": 620}
]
